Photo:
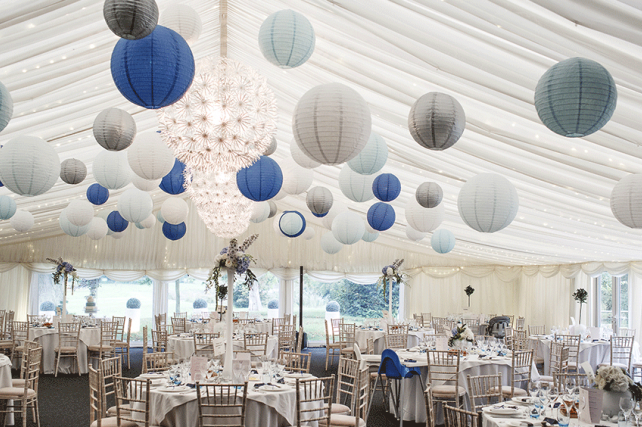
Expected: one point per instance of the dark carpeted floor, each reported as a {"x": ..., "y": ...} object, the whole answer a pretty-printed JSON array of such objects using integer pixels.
[{"x": 64, "y": 401}]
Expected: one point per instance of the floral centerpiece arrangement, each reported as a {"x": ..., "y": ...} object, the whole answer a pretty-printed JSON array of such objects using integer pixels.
[
  {"x": 63, "y": 270},
  {"x": 469, "y": 291},
  {"x": 235, "y": 258},
  {"x": 615, "y": 383},
  {"x": 580, "y": 296},
  {"x": 391, "y": 273},
  {"x": 461, "y": 337}
]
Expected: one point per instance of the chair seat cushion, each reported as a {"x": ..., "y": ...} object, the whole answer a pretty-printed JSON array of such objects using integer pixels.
[
  {"x": 18, "y": 382},
  {"x": 121, "y": 344},
  {"x": 112, "y": 412},
  {"x": 345, "y": 420},
  {"x": 546, "y": 379},
  {"x": 113, "y": 422},
  {"x": 97, "y": 348},
  {"x": 447, "y": 390},
  {"x": 339, "y": 409},
  {"x": 373, "y": 376},
  {"x": 506, "y": 391},
  {"x": 66, "y": 349},
  {"x": 15, "y": 392}
]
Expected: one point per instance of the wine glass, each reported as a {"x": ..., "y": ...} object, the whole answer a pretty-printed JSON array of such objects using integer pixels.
[
  {"x": 637, "y": 412},
  {"x": 563, "y": 415},
  {"x": 626, "y": 405}
]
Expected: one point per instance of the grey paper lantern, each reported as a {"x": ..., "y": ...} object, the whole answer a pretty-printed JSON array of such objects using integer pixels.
[
  {"x": 626, "y": 201},
  {"x": 329, "y": 244},
  {"x": 271, "y": 148},
  {"x": 29, "y": 166},
  {"x": 6, "y": 107},
  {"x": 296, "y": 179},
  {"x": 355, "y": 186},
  {"x": 319, "y": 201},
  {"x": 331, "y": 123},
  {"x": 184, "y": 20},
  {"x": 413, "y": 234},
  {"x": 436, "y": 121},
  {"x": 114, "y": 129},
  {"x": 348, "y": 228},
  {"x": 488, "y": 202},
  {"x": 97, "y": 229},
  {"x": 22, "y": 221},
  {"x": 131, "y": 19},
  {"x": 260, "y": 212},
  {"x": 149, "y": 157},
  {"x": 370, "y": 237},
  {"x": 373, "y": 156},
  {"x": 8, "y": 207},
  {"x": 72, "y": 229},
  {"x": 429, "y": 194},
  {"x": 273, "y": 209},
  {"x": 423, "y": 219},
  {"x": 301, "y": 158},
  {"x": 135, "y": 205},
  {"x": 286, "y": 39},
  {"x": 73, "y": 171},
  {"x": 111, "y": 169},
  {"x": 79, "y": 212},
  {"x": 575, "y": 97}
]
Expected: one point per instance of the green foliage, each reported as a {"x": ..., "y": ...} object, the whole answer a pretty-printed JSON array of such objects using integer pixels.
[
  {"x": 199, "y": 303},
  {"x": 332, "y": 307},
  {"x": 47, "y": 306},
  {"x": 580, "y": 295},
  {"x": 469, "y": 290},
  {"x": 273, "y": 305},
  {"x": 361, "y": 300},
  {"x": 133, "y": 303}
]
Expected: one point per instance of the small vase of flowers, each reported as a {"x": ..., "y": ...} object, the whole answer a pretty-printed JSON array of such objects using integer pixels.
[
  {"x": 462, "y": 337},
  {"x": 616, "y": 384}
]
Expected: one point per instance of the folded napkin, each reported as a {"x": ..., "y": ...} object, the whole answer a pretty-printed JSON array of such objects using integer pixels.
[
  {"x": 550, "y": 421},
  {"x": 257, "y": 385},
  {"x": 410, "y": 361}
]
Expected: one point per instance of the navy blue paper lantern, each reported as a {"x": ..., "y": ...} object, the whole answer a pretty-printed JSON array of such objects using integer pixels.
[
  {"x": 174, "y": 231},
  {"x": 172, "y": 183},
  {"x": 381, "y": 216},
  {"x": 116, "y": 223},
  {"x": 386, "y": 187},
  {"x": 97, "y": 194},
  {"x": 155, "y": 71},
  {"x": 261, "y": 181}
]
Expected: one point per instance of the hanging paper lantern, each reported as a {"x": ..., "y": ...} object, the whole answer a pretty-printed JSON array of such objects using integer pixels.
[
  {"x": 8, "y": 207},
  {"x": 423, "y": 219},
  {"x": 174, "y": 210},
  {"x": 173, "y": 182},
  {"x": 116, "y": 234},
  {"x": 386, "y": 187},
  {"x": 280, "y": 195},
  {"x": 131, "y": 19},
  {"x": 135, "y": 205},
  {"x": 381, "y": 216},
  {"x": 97, "y": 228},
  {"x": 116, "y": 222},
  {"x": 145, "y": 184},
  {"x": 114, "y": 129},
  {"x": 153, "y": 72},
  {"x": 111, "y": 169},
  {"x": 370, "y": 237},
  {"x": 319, "y": 201},
  {"x": 272, "y": 208},
  {"x": 286, "y": 39},
  {"x": 148, "y": 222},
  {"x": 73, "y": 171},
  {"x": 184, "y": 20},
  {"x": 626, "y": 201},
  {"x": 301, "y": 158},
  {"x": 174, "y": 231},
  {"x": 149, "y": 157},
  {"x": 6, "y": 107},
  {"x": 442, "y": 241},
  {"x": 261, "y": 181},
  {"x": 413, "y": 234},
  {"x": 271, "y": 148},
  {"x": 139, "y": 225},
  {"x": 348, "y": 228},
  {"x": 97, "y": 194},
  {"x": 436, "y": 121},
  {"x": 260, "y": 212},
  {"x": 487, "y": 202},
  {"x": 79, "y": 212},
  {"x": 160, "y": 218},
  {"x": 372, "y": 158},
  {"x": 429, "y": 194},
  {"x": 292, "y": 224},
  {"x": 331, "y": 123},
  {"x": 308, "y": 234},
  {"x": 575, "y": 97},
  {"x": 28, "y": 166},
  {"x": 296, "y": 179},
  {"x": 337, "y": 207},
  {"x": 71, "y": 229},
  {"x": 355, "y": 186},
  {"x": 329, "y": 244},
  {"x": 22, "y": 221}
]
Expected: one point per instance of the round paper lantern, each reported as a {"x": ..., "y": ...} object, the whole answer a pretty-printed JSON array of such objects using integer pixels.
[
  {"x": 423, "y": 219},
  {"x": 139, "y": 225},
  {"x": 575, "y": 97},
  {"x": 308, "y": 234},
  {"x": 319, "y": 201},
  {"x": 173, "y": 182},
  {"x": 348, "y": 228},
  {"x": 149, "y": 157},
  {"x": 153, "y": 72},
  {"x": 355, "y": 186},
  {"x": 381, "y": 216},
  {"x": 160, "y": 218},
  {"x": 292, "y": 224},
  {"x": 131, "y": 19},
  {"x": 145, "y": 184},
  {"x": 373, "y": 156},
  {"x": 28, "y": 166},
  {"x": 272, "y": 208},
  {"x": 79, "y": 212},
  {"x": 296, "y": 179},
  {"x": 260, "y": 212},
  {"x": 111, "y": 169},
  {"x": 6, "y": 106},
  {"x": 286, "y": 39},
  {"x": 97, "y": 229},
  {"x": 73, "y": 171},
  {"x": 331, "y": 123},
  {"x": 116, "y": 235},
  {"x": 487, "y": 202},
  {"x": 184, "y": 20},
  {"x": 8, "y": 207},
  {"x": 71, "y": 229},
  {"x": 135, "y": 205},
  {"x": 369, "y": 229},
  {"x": 329, "y": 244},
  {"x": 97, "y": 194},
  {"x": 436, "y": 121},
  {"x": 626, "y": 201},
  {"x": 22, "y": 221},
  {"x": 272, "y": 148},
  {"x": 174, "y": 231},
  {"x": 413, "y": 234},
  {"x": 337, "y": 207},
  {"x": 148, "y": 222},
  {"x": 442, "y": 241},
  {"x": 386, "y": 187},
  {"x": 370, "y": 237},
  {"x": 280, "y": 195},
  {"x": 174, "y": 210},
  {"x": 301, "y": 158},
  {"x": 116, "y": 222},
  {"x": 114, "y": 129},
  {"x": 261, "y": 181},
  {"x": 429, "y": 194}
]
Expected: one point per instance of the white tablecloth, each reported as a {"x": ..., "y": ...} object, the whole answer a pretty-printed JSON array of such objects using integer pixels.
[
  {"x": 361, "y": 337},
  {"x": 593, "y": 352},
  {"x": 5, "y": 379},
  {"x": 488, "y": 421},
  {"x": 48, "y": 339},
  {"x": 183, "y": 347}
]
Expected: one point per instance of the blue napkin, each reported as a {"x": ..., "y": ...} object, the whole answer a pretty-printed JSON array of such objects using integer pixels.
[
  {"x": 550, "y": 420},
  {"x": 410, "y": 361}
]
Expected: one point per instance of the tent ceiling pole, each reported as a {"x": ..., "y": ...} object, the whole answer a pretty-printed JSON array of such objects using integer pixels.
[{"x": 301, "y": 297}]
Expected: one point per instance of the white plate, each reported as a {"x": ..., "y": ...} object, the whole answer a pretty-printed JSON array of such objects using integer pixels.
[
  {"x": 522, "y": 400},
  {"x": 278, "y": 387},
  {"x": 177, "y": 389},
  {"x": 151, "y": 375},
  {"x": 298, "y": 375},
  {"x": 503, "y": 410}
]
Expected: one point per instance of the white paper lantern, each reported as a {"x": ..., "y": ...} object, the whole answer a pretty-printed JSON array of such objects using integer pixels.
[
  {"x": 97, "y": 228},
  {"x": 149, "y": 157},
  {"x": 369, "y": 229},
  {"x": 79, "y": 212},
  {"x": 319, "y": 201},
  {"x": 29, "y": 166},
  {"x": 71, "y": 229},
  {"x": 626, "y": 201},
  {"x": 309, "y": 233},
  {"x": 280, "y": 195},
  {"x": 159, "y": 217},
  {"x": 135, "y": 205},
  {"x": 8, "y": 207},
  {"x": 413, "y": 234},
  {"x": 174, "y": 210},
  {"x": 348, "y": 228},
  {"x": 111, "y": 170},
  {"x": 423, "y": 219},
  {"x": 370, "y": 237},
  {"x": 260, "y": 212},
  {"x": 331, "y": 123},
  {"x": 488, "y": 202},
  {"x": 145, "y": 184},
  {"x": 272, "y": 208},
  {"x": 296, "y": 179},
  {"x": 149, "y": 222},
  {"x": 301, "y": 158},
  {"x": 355, "y": 186},
  {"x": 329, "y": 244},
  {"x": 114, "y": 129},
  {"x": 337, "y": 207},
  {"x": 373, "y": 156},
  {"x": 429, "y": 194},
  {"x": 73, "y": 171},
  {"x": 22, "y": 221},
  {"x": 6, "y": 106},
  {"x": 436, "y": 121},
  {"x": 292, "y": 224},
  {"x": 272, "y": 148},
  {"x": 184, "y": 20},
  {"x": 117, "y": 235}
]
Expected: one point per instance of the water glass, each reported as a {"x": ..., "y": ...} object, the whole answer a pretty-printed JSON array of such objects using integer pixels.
[
  {"x": 626, "y": 405},
  {"x": 563, "y": 417}
]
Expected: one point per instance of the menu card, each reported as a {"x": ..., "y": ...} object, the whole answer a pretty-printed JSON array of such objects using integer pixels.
[
  {"x": 219, "y": 346},
  {"x": 441, "y": 343},
  {"x": 590, "y": 405},
  {"x": 198, "y": 368}
]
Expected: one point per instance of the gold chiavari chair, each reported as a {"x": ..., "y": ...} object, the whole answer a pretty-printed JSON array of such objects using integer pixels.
[
  {"x": 256, "y": 343},
  {"x": 122, "y": 344},
  {"x": 443, "y": 369},
  {"x": 487, "y": 388},
  {"x": 314, "y": 397},
  {"x": 558, "y": 361},
  {"x": 221, "y": 404},
  {"x": 19, "y": 334},
  {"x": 573, "y": 343},
  {"x": 347, "y": 374},
  {"x": 107, "y": 339},
  {"x": 68, "y": 340},
  {"x": 159, "y": 341},
  {"x": 179, "y": 325},
  {"x": 456, "y": 417},
  {"x": 296, "y": 362},
  {"x": 110, "y": 368},
  {"x": 131, "y": 396},
  {"x": 157, "y": 362},
  {"x": 332, "y": 349},
  {"x": 621, "y": 352},
  {"x": 24, "y": 397}
]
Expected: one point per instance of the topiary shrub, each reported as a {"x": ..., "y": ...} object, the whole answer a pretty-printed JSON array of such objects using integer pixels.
[
  {"x": 332, "y": 307},
  {"x": 133, "y": 303},
  {"x": 199, "y": 303},
  {"x": 47, "y": 306},
  {"x": 273, "y": 305}
]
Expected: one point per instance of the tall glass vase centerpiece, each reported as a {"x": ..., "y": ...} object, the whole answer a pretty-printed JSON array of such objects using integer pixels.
[
  {"x": 391, "y": 274},
  {"x": 236, "y": 263},
  {"x": 63, "y": 271}
]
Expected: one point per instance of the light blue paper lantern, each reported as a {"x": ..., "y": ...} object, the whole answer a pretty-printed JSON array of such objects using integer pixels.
[
  {"x": 355, "y": 186},
  {"x": 261, "y": 181},
  {"x": 8, "y": 207},
  {"x": 174, "y": 231},
  {"x": 292, "y": 224},
  {"x": 381, "y": 216},
  {"x": 71, "y": 229},
  {"x": 386, "y": 187},
  {"x": 575, "y": 97},
  {"x": 286, "y": 39},
  {"x": 373, "y": 156},
  {"x": 6, "y": 106},
  {"x": 442, "y": 241},
  {"x": 370, "y": 237}
]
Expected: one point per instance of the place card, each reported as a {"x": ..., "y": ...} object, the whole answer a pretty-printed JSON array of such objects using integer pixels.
[
  {"x": 588, "y": 369},
  {"x": 441, "y": 343},
  {"x": 198, "y": 368},
  {"x": 591, "y": 405},
  {"x": 219, "y": 346}
]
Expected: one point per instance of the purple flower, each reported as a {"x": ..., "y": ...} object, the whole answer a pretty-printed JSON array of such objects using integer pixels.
[{"x": 223, "y": 251}]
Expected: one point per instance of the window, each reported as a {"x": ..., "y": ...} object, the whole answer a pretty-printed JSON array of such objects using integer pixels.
[{"x": 612, "y": 301}]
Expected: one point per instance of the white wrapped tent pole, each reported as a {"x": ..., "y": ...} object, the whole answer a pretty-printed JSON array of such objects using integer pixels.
[{"x": 229, "y": 326}]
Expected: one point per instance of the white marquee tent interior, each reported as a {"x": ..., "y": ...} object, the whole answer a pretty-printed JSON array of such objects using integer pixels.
[{"x": 488, "y": 54}]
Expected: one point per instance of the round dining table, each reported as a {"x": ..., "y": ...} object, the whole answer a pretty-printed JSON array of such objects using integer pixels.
[
  {"x": 362, "y": 334},
  {"x": 594, "y": 352},
  {"x": 182, "y": 346},
  {"x": 5, "y": 380},
  {"x": 48, "y": 339}
]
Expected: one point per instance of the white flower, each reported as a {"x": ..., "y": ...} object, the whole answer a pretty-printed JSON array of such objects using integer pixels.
[
  {"x": 390, "y": 271},
  {"x": 468, "y": 335},
  {"x": 228, "y": 263}
]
